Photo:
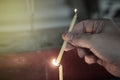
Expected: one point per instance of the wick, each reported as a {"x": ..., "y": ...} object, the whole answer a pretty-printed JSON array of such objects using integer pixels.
[
  {"x": 55, "y": 63},
  {"x": 75, "y": 10}
]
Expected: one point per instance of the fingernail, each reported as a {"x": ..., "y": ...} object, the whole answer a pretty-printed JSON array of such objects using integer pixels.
[
  {"x": 90, "y": 59},
  {"x": 81, "y": 53}
]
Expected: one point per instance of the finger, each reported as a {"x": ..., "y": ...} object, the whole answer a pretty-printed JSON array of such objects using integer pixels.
[
  {"x": 100, "y": 62},
  {"x": 78, "y": 40},
  {"x": 69, "y": 47},
  {"x": 67, "y": 36},
  {"x": 88, "y": 26},
  {"x": 110, "y": 67},
  {"x": 90, "y": 59},
  {"x": 81, "y": 52}
]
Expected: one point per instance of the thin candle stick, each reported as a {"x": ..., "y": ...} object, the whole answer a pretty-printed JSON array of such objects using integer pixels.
[
  {"x": 65, "y": 43},
  {"x": 60, "y": 72}
]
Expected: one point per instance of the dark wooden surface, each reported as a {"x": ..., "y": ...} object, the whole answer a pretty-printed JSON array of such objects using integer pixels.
[{"x": 37, "y": 66}]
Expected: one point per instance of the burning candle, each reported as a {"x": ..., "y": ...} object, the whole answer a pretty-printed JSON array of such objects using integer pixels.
[
  {"x": 60, "y": 72},
  {"x": 60, "y": 69},
  {"x": 65, "y": 43},
  {"x": 56, "y": 62}
]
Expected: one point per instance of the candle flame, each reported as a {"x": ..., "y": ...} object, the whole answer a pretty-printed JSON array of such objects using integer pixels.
[
  {"x": 54, "y": 62},
  {"x": 75, "y": 10}
]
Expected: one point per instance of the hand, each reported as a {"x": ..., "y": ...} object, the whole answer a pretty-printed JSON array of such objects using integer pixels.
[{"x": 97, "y": 41}]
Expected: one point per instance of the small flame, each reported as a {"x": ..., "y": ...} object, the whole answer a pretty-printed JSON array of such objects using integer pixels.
[
  {"x": 75, "y": 10},
  {"x": 54, "y": 62}
]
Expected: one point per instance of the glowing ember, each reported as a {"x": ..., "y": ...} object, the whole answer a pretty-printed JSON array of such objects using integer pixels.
[
  {"x": 54, "y": 62},
  {"x": 75, "y": 10}
]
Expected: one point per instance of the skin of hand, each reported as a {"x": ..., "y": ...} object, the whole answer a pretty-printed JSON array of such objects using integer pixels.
[{"x": 97, "y": 41}]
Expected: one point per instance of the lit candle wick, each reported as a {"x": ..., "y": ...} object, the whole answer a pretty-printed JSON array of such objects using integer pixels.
[
  {"x": 75, "y": 10},
  {"x": 55, "y": 63},
  {"x": 60, "y": 69}
]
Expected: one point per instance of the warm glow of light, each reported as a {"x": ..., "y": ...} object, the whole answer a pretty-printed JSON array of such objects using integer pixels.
[
  {"x": 54, "y": 62},
  {"x": 75, "y": 10}
]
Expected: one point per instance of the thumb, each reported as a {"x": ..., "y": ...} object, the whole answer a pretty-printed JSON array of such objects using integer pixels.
[{"x": 78, "y": 40}]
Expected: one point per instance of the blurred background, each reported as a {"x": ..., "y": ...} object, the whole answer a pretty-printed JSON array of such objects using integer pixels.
[
  {"x": 30, "y": 36},
  {"x": 30, "y": 25}
]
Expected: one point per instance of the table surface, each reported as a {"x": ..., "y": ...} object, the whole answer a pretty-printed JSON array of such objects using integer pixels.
[{"x": 37, "y": 66}]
